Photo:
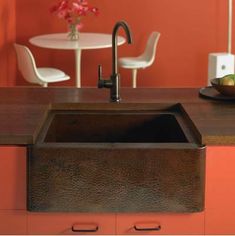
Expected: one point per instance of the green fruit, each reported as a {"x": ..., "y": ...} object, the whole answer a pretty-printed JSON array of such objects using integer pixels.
[{"x": 228, "y": 80}]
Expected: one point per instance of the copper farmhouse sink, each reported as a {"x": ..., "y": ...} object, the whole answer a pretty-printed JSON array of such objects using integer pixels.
[{"x": 117, "y": 158}]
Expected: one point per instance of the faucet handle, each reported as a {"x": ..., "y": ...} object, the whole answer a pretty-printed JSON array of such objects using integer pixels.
[
  {"x": 100, "y": 79},
  {"x": 100, "y": 72},
  {"x": 103, "y": 83}
]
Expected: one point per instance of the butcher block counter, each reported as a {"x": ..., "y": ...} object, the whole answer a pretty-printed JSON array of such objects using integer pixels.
[{"x": 23, "y": 110}]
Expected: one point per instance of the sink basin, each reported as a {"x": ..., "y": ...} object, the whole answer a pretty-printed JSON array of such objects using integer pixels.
[
  {"x": 117, "y": 158},
  {"x": 108, "y": 127}
]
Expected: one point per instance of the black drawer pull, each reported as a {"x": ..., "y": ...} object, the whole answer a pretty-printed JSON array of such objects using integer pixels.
[
  {"x": 157, "y": 228},
  {"x": 96, "y": 228}
]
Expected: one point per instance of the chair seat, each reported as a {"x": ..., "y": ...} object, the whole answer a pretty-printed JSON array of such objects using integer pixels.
[
  {"x": 52, "y": 75},
  {"x": 133, "y": 62},
  {"x": 143, "y": 60}
]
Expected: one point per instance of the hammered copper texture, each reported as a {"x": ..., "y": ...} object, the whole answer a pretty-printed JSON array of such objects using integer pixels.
[{"x": 113, "y": 179}]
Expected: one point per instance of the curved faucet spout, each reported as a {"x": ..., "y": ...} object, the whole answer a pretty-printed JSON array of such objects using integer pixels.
[
  {"x": 126, "y": 28},
  {"x": 113, "y": 83}
]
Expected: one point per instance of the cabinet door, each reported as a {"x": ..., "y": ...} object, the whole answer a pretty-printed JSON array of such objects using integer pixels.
[
  {"x": 71, "y": 223},
  {"x": 13, "y": 222},
  {"x": 220, "y": 190},
  {"x": 160, "y": 223},
  {"x": 12, "y": 177}
]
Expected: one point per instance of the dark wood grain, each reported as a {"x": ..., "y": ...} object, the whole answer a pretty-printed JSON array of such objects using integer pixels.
[
  {"x": 23, "y": 109},
  {"x": 20, "y": 123}
]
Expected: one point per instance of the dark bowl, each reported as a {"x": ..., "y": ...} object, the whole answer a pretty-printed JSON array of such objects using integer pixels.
[{"x": 226, "y": 90}]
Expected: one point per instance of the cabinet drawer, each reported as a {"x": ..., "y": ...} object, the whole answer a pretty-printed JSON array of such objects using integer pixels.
[
  {"x": 71, "y": 223},
  {"x": 221, "y": 222},
  {"x": 220, "y": 191},
  {"x": 13, "y": 222},
  {"x": 160, "y": 223},
  {"x": 220, "y": 179},
  {"x": 12, "y": 178}
]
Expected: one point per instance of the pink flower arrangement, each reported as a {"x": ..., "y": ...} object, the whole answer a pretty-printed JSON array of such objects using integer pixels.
[{"x": 72, "y": 11}]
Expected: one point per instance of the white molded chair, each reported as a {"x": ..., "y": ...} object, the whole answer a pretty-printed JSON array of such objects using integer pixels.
[
  {"x": 144, "y": 60},
  {"x": 31, "y": 73}
]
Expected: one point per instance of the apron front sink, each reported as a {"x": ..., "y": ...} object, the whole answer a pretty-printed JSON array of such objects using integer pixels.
[{"x": 121, "y": 158}]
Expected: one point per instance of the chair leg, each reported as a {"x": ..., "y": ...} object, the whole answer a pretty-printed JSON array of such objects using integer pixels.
[{"x": 134, "y": 78}]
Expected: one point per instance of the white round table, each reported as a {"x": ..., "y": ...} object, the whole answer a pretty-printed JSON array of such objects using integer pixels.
[{"x": 86, "y": 41}]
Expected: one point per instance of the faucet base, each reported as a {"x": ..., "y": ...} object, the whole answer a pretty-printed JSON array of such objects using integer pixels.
[{"x": 115, "y": 99}]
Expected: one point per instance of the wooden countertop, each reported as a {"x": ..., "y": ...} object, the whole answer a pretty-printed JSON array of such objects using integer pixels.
[{"x": 24, "y": 109}]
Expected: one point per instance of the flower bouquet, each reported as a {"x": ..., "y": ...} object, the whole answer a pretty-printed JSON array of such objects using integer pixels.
[{"x": 72, "y": 11}]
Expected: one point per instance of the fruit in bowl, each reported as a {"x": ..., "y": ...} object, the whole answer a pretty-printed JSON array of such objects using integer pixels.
[
  {"x": 227, "y": 80},
  {"x": 225, "y": 85}
]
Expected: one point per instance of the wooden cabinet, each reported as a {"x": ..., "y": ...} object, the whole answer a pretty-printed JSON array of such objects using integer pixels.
[
  {"x": 71, "y": 223},
  {"x": 220, "y": 190},
  {"x": 12, "y": 178},
  {"x": 13, "y": 222},
  {"x": 13, "y": 215},
  {"x": 160, "y": 223},
  {"x": 218, "y": 217}
]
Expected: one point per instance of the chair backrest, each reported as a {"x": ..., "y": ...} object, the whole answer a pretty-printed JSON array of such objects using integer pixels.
[
  {"x": 27, "y": 65},
  {"x": 151, "y": 47}
]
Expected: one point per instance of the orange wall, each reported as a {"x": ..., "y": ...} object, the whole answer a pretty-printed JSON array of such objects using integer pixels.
[
  {"x": 7, "y": 37},
  {"x": 190, "y": 30}
]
